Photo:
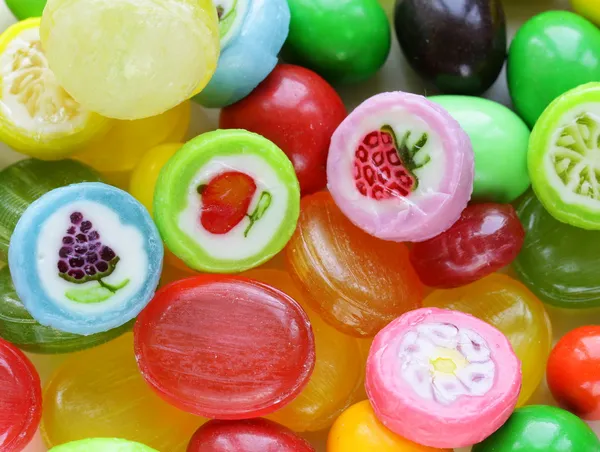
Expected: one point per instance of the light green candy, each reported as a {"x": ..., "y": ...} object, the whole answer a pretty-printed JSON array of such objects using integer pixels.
[
  {"x": 500, "y": 140},
  {"x": 102, "y": 445}
]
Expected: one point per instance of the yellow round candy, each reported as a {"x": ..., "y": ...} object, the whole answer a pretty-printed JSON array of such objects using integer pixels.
[
  {"x": 338, "y": 372},
  {"x": 509, "y": 306},
  {"x": 358, "y": 430},
  {"x": 37, "y": 116},
  {"x": 100, "y": 393},
  {"x": 590, "y": 9}
]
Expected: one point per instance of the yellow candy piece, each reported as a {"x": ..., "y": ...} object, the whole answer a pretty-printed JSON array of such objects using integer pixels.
[
  {"x": 100, "y": 393},
  {"x": 590, "y": 9},
  {"x": 338, "y": 372},
  {"x": 509, "y": 306},
  {"x": 358, "y": 430},
  {"x": 37, "y": 116}
]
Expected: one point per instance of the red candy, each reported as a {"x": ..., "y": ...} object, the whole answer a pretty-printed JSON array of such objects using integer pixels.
[
  {"x": 224, "y": 347},
  {"x": 252, "y": 435},
  {"x": 573, "y": 372},
  {"x": 298, "y": 111},
  {"x": 20, "y": 399},
  {"x": 486, "y": 238}
]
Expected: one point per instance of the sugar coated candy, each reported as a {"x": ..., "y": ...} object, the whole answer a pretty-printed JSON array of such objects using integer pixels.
[
  {"x": 252, "y": 34},
  {"x": 85, "y": 258},
  {"x": 442, "y": 378},
  {"x": 227, "y": 201},
  {"x": 102, "y": 445},
  {"x": 37, "y": 116},
  {"x": 177, "y": 41},
  {"x": 400, "y": 167},
  {"x": 211, "y": 338},
  {"x": 20, "y": 399}
]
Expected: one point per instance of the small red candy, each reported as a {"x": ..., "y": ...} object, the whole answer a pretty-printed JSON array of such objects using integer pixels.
[
  {"x": 20, "y": 399},
  {"x": 298, "y": 111},
  {"x": 485, "y": 238},
  {"x": 224, "y": 347},
  {"x": 251, "y": 435}
]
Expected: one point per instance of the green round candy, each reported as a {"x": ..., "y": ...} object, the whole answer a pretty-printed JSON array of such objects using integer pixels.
[
  {"x": 23, "y": 9},
  {"x": 345, "y": 42},
  {"x": 564, "y": 151},
  {"x": 102, "y": 445},
  {"x": 227, "y": 201},
  {"x": 558, "y": 262},
  {"x": 541, "y": 428},
  {"x": 500, "y": 140},
  {"x": 551, "y": 53},
  {"x": 27, "y": 180}
]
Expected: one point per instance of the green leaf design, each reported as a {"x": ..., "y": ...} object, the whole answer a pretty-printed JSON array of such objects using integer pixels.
[
  {"x": 263, "y": 204},
  {"x": 226, "y": 18},
  {"x": 95, "y": 294}
]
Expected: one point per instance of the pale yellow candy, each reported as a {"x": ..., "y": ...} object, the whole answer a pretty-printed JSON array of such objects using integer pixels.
[{"x": 590, "y": 9}]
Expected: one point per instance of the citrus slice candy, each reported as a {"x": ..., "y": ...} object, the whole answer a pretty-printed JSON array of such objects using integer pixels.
[
  {"x": 400, "y": 167},
  {"x": 85, "y": 258},
  {"x": 227, "y": 201},
  {"x": 252, "y": 34},
  {"x": 442, "y": 378},
  {"x": 102, "y": 445},
  {"x": 37, "y": 116},
  {"x": 139, "y": 58},
  {"x": 564, "y": 157}
]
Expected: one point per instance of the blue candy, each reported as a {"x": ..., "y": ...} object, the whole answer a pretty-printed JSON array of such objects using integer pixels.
[
  {"x": 85, "y": 258},
  {"x": 249, "y": 50}
]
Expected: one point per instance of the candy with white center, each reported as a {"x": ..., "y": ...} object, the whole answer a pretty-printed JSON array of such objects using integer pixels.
[
  {"x": 227, "y": 201},
  {"x": 85, "y": 258},
  {"x": 400, "y": 167},
  {"x": 442, "y": 378},
  {"x": 252, "y": 34}
]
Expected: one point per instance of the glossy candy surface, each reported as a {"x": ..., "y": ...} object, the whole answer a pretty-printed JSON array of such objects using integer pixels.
[
  {"x": 205, "y": 339},
  {"x": 250, "y": 435},
  {"x": 400, "y": 167},
  {"x": 573, "y": 372},
  {"x": 500, "y": 141},
  {"x": 442, "y": 378},
  {"x": 252, "y": 34},
  {"x": 459, "y": 45},
  {"x": 485, "y": 238},
  {"x": 551, "y": 53},
  {"x": 558, "y": 262},
  {"x": 20, "y": 399},
  {"x": 344, "y": 41},
  {"x": 339, "y": 366},
  {"x": 356, "y": 282},
  {"x": 509, "y": 306},
  {"x": 85, "y": 258},
  {"x": 540, "y": 428},
  {"x": 102, "y": 445},
  {"x": 23, "y": 9},
  {"x": 298, "y": 111},
  {"x": 100, "y": 393}
]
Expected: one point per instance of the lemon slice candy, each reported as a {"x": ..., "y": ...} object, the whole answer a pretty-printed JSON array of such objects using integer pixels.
[{"x": 37, "y": 116}]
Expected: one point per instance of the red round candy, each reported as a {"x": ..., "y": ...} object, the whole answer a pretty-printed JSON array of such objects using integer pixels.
[
  {"x": 485, "y": 238},
  {"x": 224, "y": 347},
  {"x": 573, "y": 372},
  {"x": 298, "y": 111},
  {"x": 251, "y": 435},
  {"x": 20, "y": 399}
]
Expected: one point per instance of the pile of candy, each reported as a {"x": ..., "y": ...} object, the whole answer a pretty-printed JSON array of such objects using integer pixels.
[{"x": 381, "y": 275}]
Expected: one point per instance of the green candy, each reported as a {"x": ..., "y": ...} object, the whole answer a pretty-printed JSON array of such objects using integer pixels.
[
  {"x": 541, "y": 428},
  {"x": 102, "y": 445},
  {"x": 552, "y": 53},
  {"x": 17, "y": 326},
  {"x": 558, "y": 262},
  {"x": 500, "y": 140},
  {"x": 23, "y": 9},
  {"x": 344, "y": 41},
  {"x": 27, "y": 180}
]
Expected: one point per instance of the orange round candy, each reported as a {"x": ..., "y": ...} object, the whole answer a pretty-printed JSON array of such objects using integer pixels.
[{"x": 356, "y": 282}]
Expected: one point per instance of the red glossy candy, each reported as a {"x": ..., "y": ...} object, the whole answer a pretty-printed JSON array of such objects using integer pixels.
[
  {"x": 20, "y": 399},
  {"x": 573, "y": 372},
  {"x": 251, "y": 435},
  {"x": 485, "y": 238},
  {"x": 224, "y": 347},
  {"x": 298, "y": 111}
]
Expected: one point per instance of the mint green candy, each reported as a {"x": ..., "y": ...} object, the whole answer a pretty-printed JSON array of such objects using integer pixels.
[
  {"x": 500, "y": 141},
  {"x": 102, "y": 445}
]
